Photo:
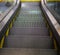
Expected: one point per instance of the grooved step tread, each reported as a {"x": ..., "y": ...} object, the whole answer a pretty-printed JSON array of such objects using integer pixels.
[
  {"x": 30, "y": 17},
  {"x": 29, "y": 24},
  {"x": 27, "y": 51},
  {"x": 29, "y": 31},
  {"x": 27, "y": 36},
  {"x": 31, "y": 41}
]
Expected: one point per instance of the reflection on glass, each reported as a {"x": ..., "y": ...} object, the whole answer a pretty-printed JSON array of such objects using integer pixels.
[
  {"x": 55, "y": 5},
  {"x": 5, "y": 4}
]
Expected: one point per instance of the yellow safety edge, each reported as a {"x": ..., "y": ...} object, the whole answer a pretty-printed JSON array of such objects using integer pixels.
[
  {"x": 2, "y": 42},
  {"x": 7, "y": 32},
  {"x": 55, "y": 44}
]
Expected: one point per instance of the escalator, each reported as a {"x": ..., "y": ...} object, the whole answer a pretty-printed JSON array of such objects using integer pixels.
[{"x": 29, "y": 34}]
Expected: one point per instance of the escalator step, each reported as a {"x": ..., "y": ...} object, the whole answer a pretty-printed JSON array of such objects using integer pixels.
[
  {"x": 27, "y": 51},
  {"x": 29, "y": 24},
  {"x": 27, "y": 36},
  {"x": 28, "y": 42},
  {"x": 29, "y": 18},
  {"x": 29, "y": 31},
  {"x": 29, "y": 21}
]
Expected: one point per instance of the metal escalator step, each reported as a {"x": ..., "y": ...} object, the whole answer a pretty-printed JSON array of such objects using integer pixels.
[
  {"x": 30, "y": 20},
  {"x": 27, "y": 51},
  {"x": 30, "y": 17},
  {"x": 35, "y": 20},
  {"x": 28, "y": 36},
  {"x": 22, "y": 20},
  {"x": 48, "y": 52},
  {"x": 30, "y": 8},
  {"x": 41, "y": 22},
  {"x": 30, "y": 14},
  {"x": 29, "y": 31},
  {"x": 33, "y": 13},
  {"x": 29, "y": 24},
  {"x": 28, "y": 42},
  {"x": 31, "y": 4},
  {"x": 27, "y": 8}
]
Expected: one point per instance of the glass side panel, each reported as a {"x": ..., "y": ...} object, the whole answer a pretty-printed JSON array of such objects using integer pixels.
[{"x": 55, "y": 6}]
